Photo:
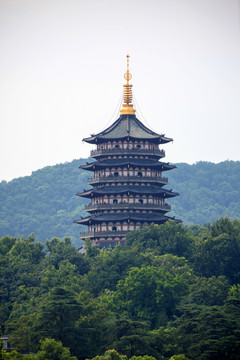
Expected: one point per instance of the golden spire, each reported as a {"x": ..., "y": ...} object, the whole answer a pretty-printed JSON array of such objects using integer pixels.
[{"x": 127, "y": 107}]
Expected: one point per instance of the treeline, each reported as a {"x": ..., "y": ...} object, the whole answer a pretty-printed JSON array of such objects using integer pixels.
[
  {"x": 172, "y": 292},
  {"x": 46, "y": 203}
]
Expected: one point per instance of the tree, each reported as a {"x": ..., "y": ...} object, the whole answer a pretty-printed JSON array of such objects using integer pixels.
[
  {"x": 224, "y": 226},
  {"x": 62, "y": 250},
  {"x": 57, "y": 317},
  {"x": 208, "y": 291},
  {"x": 110, "y": 355},
  {"x": 65, "y": 275},
  {"x": 148, "y": 294},
  {"x": 51, "y": 349},
  {"x": 207, "y": 333},
  {"x": 128, "y": 337},
  {"x": 166, "y": 238},
  {"x": 144, "y": 357},
  {"x": 109, "y": 266},
  {"x": 218, "y": 256}
]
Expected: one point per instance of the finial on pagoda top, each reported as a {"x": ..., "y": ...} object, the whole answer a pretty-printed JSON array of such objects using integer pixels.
[{"x": 127, "y": 107}]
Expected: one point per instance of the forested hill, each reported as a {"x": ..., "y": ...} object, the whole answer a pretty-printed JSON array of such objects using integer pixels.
[{"x": 46, "y": 203}]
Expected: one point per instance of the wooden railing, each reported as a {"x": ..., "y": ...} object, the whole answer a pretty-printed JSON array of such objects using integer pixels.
[
  {"x": 121, "y": 206},
  {"x": 118, "y": 151},
  {"x": 112, "y": 178},
  {"x": 103, "y": 234}
]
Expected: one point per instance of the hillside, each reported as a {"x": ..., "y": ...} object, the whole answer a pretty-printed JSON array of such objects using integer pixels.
[{"x": 46, "y": 203}]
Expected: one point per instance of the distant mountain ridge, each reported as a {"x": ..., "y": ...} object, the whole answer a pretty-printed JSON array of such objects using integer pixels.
[{"x": 46, "y": 203}]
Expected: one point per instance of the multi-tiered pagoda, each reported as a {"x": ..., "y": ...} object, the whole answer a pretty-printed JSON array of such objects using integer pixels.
[{"x": 127, "y": 183}]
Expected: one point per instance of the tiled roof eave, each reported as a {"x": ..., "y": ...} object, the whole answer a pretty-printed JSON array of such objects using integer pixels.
[{"x": 127, "y": 126}]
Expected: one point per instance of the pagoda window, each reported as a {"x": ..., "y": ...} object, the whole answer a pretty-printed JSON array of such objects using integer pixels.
[
  {"x": 114, "y": 228},
  {"x": 115, "y": 201},
  {"x": 139, "y": 174},
  {"x": 116, "y": 173},
  {"x": 140, "y": 201},
  {"x": 139, "y": 146}
]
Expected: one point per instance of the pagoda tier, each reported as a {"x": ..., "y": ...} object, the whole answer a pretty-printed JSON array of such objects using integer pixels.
[
  {"x": 127, "y": 129},
  {"x": 141, "y": 163},
  {"x": 127, "y": 184},
  {"x": 119, "y": 191},
  {"x": 154, "y": 152}
]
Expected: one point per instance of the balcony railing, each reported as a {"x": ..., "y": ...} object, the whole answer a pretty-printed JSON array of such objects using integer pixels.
[
  {"x": 118, "y": 151},
  {"x": 151, "y": 179},
  {"x": 122, "y": 206},
  {"x": 103, "y": 234}
]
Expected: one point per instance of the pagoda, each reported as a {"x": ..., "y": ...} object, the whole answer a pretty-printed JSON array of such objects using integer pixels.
[{"x": 127, "y": 183}]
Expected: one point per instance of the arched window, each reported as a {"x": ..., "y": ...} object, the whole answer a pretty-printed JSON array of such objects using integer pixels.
[
  {"x": 116, "y": 173},
  {"x": 114, "y": 228},
  {"x": 115, "y": 201}
]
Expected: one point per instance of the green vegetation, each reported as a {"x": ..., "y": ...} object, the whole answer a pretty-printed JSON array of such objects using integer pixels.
[
  {"x": 46, "y": 203},
  {"x": 171, "y": 293},
  {"x": 207, "y": 191}
]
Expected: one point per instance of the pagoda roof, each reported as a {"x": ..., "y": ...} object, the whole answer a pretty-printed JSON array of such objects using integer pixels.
[
  {"x": 146, "y": 217},
  {"x": 127, "y": 126},
  {"x": 121, "y": 162},
  {"x": 132, "y": 189}
]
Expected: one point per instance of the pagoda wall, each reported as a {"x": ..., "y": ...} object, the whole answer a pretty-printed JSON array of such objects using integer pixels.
[
  {"x": 128, "y": 199},
  {"x": 111, "y": 145},
  {"x": 127, "y": 172}
]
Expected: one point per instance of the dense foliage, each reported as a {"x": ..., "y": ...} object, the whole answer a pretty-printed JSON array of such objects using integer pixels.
[
  {"x": 46, "y": 203},
  {"x": 172, "y": 292},
  {"x": 207, "y": 191}
]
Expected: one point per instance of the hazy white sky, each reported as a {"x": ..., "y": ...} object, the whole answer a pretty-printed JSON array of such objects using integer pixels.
[{"x": 61, "y": 76}]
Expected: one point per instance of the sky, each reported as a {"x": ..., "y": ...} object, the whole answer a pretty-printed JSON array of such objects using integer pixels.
[{"x": 62, "y": 67}]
